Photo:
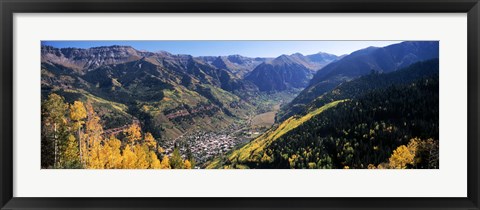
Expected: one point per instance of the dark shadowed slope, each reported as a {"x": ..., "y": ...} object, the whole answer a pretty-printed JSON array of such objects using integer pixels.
[{"x": 362, "y": 62}]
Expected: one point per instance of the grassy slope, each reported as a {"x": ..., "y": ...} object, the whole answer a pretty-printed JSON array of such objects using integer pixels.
[
  {"x": 264, "y": 120},
  {"x": 113, "y": 114},
  {"x": 180, "y": 96},
  {"x": 253, "y": 150}
]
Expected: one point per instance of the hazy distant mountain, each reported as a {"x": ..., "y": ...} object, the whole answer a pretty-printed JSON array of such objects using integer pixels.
[
  {"x": 314, "y": 61},
  {"x": 288, "y": 71},
  {"x": 236, "y": 64},
  {"x": 362, "y": 62},
  {"x": 386, "y": 59}
]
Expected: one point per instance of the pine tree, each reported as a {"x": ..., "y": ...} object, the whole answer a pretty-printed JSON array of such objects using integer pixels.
[
  {"x": 70, "y": 157},
  {"x": 176, "y": 162},
  {"x": 54, "y": 121}
]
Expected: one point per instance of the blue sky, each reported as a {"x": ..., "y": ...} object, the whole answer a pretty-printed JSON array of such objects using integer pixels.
[{"x": 245, "y": 48}]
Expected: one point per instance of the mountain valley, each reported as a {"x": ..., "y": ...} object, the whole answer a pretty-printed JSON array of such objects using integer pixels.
[{"x": 290, "y": 111}]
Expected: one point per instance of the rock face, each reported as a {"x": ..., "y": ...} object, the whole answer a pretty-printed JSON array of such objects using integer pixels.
[
  {"x": 91, "y": 58},
  {"x": 267, "y": 74}
]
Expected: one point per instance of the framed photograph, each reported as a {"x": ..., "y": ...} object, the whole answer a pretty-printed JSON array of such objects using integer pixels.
[{"x": 239, "y": 105}]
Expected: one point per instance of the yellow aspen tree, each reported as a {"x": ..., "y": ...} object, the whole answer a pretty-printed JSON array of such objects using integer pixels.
[
  {"x": 96, "y": 159},
  {"x": 160, "y": 150},
  {"x": 106, "y": 155},
  {"x": 77, "y": 114},
  {"x": 114, "y": 159},
  {"x": 92, "y": 158},
  {"x": 150, "y": 142},
  {"x": 132, "y": 134},
  {"x": 141, "y": 154},
  {"x": 102, "y": 158},
  {"x": 129, "y": 159},
  {"x": 401, "y": 157},
  {"x": 192, "y": 163},
  {"x": 425, "y": 153},
  {"x": 187, "y": 164},
  {"x": 266, "y": 158},
  {"x": 413, "y": 146},
  {"x": 93, "y": 130},
  {"x": 165, "y": 164},
  {"x": 154, "y": 161},
  {"x": 292, "y": 160}
]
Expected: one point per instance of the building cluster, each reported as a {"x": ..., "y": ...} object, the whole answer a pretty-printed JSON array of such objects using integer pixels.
[{"x": 203, "y": 145}]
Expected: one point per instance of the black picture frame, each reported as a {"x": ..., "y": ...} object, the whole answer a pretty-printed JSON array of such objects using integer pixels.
[{"x": 10, "y": 7}]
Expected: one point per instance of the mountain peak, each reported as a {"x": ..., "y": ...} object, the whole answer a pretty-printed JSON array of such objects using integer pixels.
[
  {"x": 112, "y": 47},
  {"x": 220, "y": 63},
  {"x": 361, "y": 62},
  {"x": 296, "y": 54},
  {"x": 282, "y": 60}
]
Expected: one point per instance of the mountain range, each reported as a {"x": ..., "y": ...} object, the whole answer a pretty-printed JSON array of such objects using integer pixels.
[
  {"x": 321, "y": 98},
  {"x": 362, "y": 62},
  {"x": 129, "y": 83}
]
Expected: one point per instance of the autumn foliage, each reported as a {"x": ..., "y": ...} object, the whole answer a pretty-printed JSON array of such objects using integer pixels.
[
  {"x": 416, "y": 154},
  {"x": 73, "y": 137}
]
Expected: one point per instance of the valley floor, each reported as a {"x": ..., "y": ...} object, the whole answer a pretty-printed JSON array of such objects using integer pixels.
[{"x": 204, "y": 146}]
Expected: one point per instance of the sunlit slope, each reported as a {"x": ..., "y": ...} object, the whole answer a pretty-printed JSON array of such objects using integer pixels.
[
  {"x": 209, "y": 108},
  {"x": 113, "y": 114},
  {"x": 252, "y": 151}
]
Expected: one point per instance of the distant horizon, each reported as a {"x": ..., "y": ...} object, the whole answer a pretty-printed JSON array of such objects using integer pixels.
[{"x": 253, "y": 49}]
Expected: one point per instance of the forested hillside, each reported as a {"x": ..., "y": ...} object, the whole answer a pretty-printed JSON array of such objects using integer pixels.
[
  {"x": 379, "y": 120},
  {"x": 362, "y": 62}
]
